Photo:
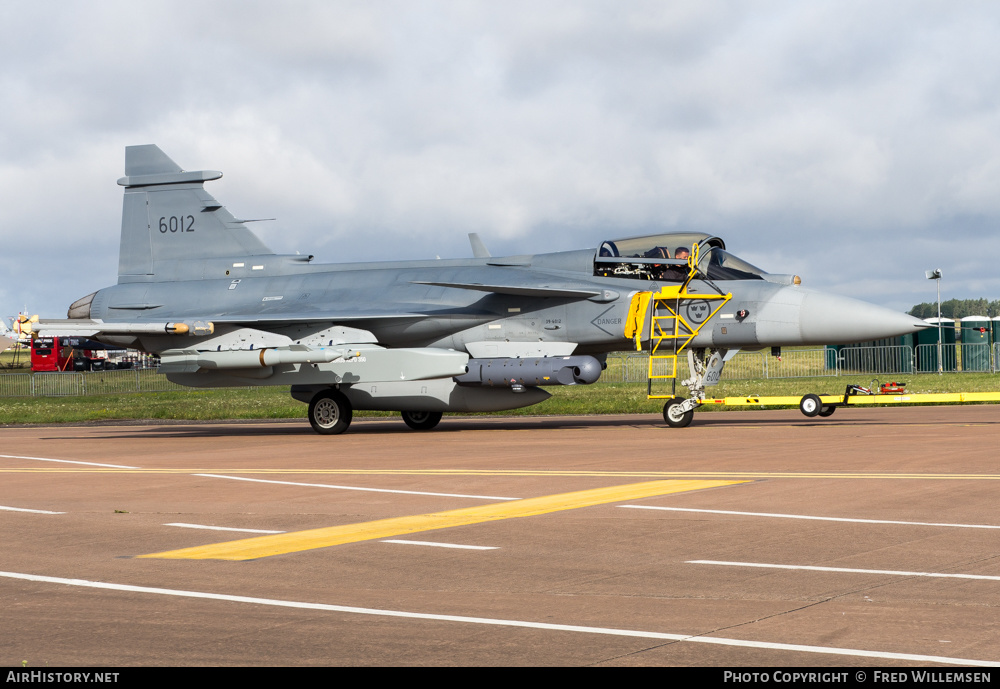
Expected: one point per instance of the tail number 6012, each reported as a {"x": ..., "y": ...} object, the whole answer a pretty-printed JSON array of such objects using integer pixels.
[{"x": 176, "y": 223}]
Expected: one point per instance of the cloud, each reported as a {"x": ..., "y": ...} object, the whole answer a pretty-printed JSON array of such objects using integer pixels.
[{"x": 828, "y": 139}]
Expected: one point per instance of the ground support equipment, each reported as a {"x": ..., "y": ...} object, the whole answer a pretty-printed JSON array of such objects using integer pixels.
[
  {"x": 825, "y": 405},
  {"x": 670, "y": 332}
]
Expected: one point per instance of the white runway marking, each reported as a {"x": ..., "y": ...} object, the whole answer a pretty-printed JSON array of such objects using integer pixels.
[
  {"x": 220, "y": 528},
  {"x": 805, "y": 516},
  {"x": 69, "y": 461},
  {"x": 370, "y": 490},
  {"x": 25, "y": 509},
  {"x": 829, "y": 650},
  {"x": 443, "y": 545},
  {"x": 812, "y": 568}
]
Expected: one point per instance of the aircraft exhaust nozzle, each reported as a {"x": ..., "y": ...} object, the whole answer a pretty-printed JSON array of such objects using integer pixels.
[
  {"x": 508, "y": 372},
  {"x": 81, "y": 307}
]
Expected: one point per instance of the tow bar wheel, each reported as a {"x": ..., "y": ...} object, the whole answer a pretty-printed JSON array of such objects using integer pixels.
[
  {"x": 330, "y": 412},
  {"x": 675, "y": 416},
  {"x": 810, "y": 405}
]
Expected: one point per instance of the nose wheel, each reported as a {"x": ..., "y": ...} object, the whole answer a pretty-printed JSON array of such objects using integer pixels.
[{"x": 676, "y": 415}]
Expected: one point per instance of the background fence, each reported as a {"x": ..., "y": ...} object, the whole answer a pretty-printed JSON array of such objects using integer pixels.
[
  {"x": 630, "y": 367},
  {"x": 811, "y": 363},
  {"x": 84, "y": 383}
]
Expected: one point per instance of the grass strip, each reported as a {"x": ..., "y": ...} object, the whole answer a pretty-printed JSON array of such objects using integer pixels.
[{"x": 276, "y": 403}]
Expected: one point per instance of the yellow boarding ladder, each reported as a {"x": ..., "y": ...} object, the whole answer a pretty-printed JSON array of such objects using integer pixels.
[{"x": 670, "y": 331}]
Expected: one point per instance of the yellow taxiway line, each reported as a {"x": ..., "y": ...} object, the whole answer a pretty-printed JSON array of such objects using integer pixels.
[{"x": 280, "y": 544}]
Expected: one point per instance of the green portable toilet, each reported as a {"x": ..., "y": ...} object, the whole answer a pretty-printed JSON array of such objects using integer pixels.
[
  {"x": 926, "y": 346},
  {"x": 976, "y": 343},
  {"x": 904, "y": 353},
  {"x": 830, "y": 357},
  {"x": 995, "y": 339},
  {"x": 889, "y": 355}
]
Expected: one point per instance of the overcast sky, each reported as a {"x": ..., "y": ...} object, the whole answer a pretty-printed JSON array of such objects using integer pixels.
[{"x": 856, "y": 144}]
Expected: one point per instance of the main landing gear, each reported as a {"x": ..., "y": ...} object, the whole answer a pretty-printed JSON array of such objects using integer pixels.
[
  {"x": 421, "y": 420},
  {"x": 330, "y": 412}
]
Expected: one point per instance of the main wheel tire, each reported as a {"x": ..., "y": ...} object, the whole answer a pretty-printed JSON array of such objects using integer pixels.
[
  {"x": 811, "y": 405},
  {"x": 421, "y": 420},
  {"x": 827, "y": 410},
  {"x": 330, "y": 412},
  {"x": 675, "y": 416}
]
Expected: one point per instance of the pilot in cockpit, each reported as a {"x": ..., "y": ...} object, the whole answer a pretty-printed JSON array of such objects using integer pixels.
[
  {"x": 675, "y": 273},
  {"x": 656, "y": 270}
]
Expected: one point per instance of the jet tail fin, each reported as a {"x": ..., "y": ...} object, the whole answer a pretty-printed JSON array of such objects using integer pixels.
[
  {"x": 168, "y": 216},
  {"x": 148, "y": 160}
]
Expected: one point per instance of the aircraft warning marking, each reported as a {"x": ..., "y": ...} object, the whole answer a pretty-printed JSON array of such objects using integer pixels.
[
  {"x": 500, "y": 622},
  {"x": 616, "y": 322},
  {"x": 266, "y": 546}
]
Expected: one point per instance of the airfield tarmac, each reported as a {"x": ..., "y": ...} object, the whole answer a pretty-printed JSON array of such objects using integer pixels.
[{"x": 751, "y": 538}]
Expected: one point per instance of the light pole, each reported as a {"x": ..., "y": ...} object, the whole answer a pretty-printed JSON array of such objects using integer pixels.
[{"x": 936, "y": 276}]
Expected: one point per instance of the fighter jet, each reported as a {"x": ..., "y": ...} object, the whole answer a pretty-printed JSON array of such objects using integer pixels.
[
  {"x": 7, "y": 337},
  {"x": 21, "y": 332},
  {"x": 200, "y": 290}
]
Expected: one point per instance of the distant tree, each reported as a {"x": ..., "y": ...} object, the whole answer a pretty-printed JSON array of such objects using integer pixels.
[
  {"x": 924, "y": 311},
  {"x": 957, "y": 308}
]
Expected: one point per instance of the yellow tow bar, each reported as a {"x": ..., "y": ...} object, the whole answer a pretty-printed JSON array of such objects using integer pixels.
[{"x": 826, "y": 405}]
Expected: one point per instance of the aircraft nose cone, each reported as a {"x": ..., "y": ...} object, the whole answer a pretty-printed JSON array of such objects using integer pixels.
[{"x": 832, "y": 319}]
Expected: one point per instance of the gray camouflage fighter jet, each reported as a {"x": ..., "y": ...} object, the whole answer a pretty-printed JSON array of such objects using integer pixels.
[{"x": 199, "y": 289}]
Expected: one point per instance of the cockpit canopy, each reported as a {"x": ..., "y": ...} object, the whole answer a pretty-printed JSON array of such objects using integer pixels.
[
  {"x": 650, "y": 245},
  {"x": 664, "y": 257}
]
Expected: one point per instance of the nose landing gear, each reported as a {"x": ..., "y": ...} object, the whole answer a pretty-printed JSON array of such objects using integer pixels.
[{"x": 678, "y": 412}]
